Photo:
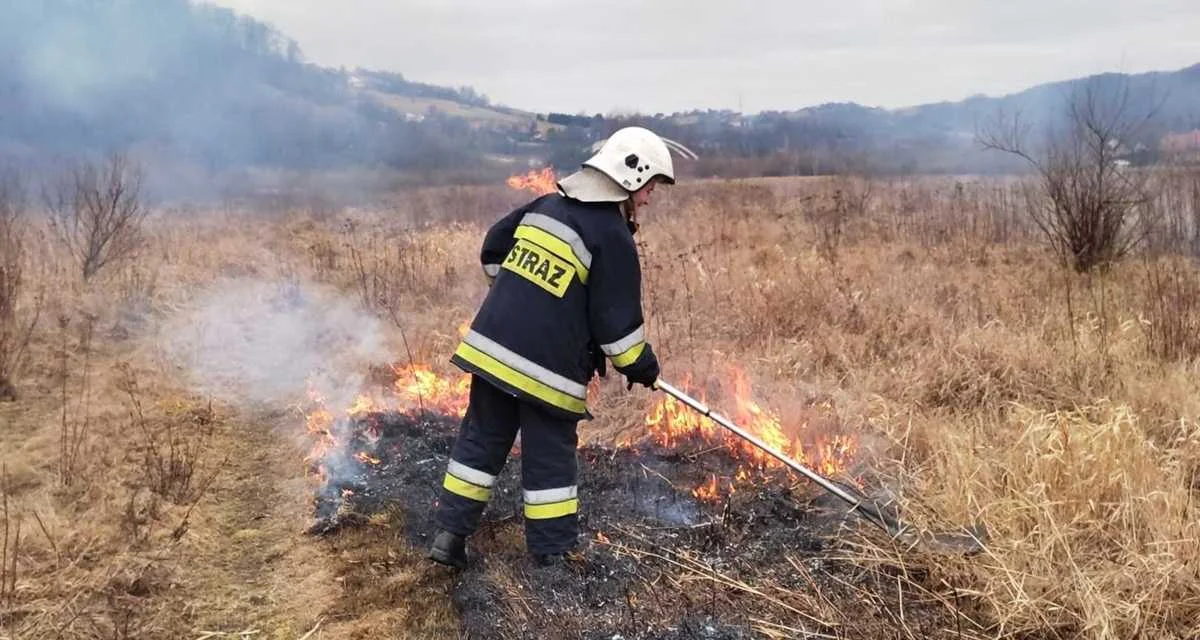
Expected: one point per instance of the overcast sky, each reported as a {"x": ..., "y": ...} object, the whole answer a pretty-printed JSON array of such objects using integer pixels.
[{"x": 673, "y": 55}]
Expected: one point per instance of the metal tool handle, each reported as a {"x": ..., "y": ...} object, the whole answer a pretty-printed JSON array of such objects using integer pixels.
[{"x": 869, "y": 510}]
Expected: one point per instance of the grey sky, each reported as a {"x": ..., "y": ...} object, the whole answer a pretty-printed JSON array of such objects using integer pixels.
[{"x": 670, "y": 55}]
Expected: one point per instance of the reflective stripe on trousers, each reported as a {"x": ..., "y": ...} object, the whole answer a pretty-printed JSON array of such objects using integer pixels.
[
  {"x": 551, "y": 503},
  {"x": 548, "y": 468},
  {"x": 469, "y": 483}
]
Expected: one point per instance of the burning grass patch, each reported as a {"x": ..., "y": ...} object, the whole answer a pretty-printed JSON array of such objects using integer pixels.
[{"x": 660, "y": 558}]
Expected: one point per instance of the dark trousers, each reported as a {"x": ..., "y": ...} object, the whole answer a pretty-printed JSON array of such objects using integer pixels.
[{"x": 548, "y": 468}]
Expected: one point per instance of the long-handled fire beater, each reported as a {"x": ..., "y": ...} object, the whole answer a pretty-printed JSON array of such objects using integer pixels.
[{"x": 969, "y": 540}]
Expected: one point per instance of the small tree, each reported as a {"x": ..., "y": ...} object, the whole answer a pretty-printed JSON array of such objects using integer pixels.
[
  {"x": 97, "y": 212},
  {"x": 1089, "y": 202}
]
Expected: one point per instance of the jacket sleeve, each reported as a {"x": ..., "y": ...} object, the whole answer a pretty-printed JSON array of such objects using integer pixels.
[
  {"x": 499, "y": 241},
  {"x": 615, "y": 305}
]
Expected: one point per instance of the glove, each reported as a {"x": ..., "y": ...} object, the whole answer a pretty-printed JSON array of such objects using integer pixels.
[{"x": 645, "y": 372}]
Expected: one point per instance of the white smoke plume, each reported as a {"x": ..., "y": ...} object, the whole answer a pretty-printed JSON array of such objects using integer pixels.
[{"x": 257, "y": 342}]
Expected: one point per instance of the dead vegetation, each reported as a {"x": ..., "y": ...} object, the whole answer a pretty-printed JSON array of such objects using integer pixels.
[
  {"x": 19, "y": 311},
  {"x": 995, "y": 381},
  {"x": 1089, "y": 203},
  {"x": 97, "y": 212},
  {"x": 928, "y": 312}
]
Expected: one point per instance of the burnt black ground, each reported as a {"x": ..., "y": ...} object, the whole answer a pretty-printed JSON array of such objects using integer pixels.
[{"x": 654, "y": 563}]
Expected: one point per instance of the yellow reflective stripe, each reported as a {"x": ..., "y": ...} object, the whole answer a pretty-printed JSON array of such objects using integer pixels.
[
  {"x": 546, "y": 496},
  {"x": 474, "y": 476},
  {"x": 519, "y": 380},
  {"x": 626, "y": 343},
  {"x": 626, "y": 358},
  {"x": 466, "y": 489},
  {"x": 552, "y": 510},
  {"x": 555, "y": 245},
  {"x": 524, "y": 365},
  {"x": 562, "y": 231}
]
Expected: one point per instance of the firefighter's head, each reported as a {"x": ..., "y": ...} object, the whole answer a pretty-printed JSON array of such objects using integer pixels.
[
  {"x": 634, "y": 158},
  {"x": 626, "y": 168}
]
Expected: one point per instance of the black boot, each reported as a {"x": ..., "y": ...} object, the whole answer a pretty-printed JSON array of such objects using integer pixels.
[
  {"x": 449, "y": 549},
  {"x": 549, "y": 559}
]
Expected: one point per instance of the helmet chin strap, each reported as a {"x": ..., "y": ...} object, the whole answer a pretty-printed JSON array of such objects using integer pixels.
[{"x": 629, "y": 209}]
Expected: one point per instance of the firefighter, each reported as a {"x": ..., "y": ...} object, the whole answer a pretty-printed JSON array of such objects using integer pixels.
[{"x": 565, "y": 294}]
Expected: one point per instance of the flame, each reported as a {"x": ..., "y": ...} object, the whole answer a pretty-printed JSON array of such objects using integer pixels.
[
  {"x": 538, "y": 181},
  {"x": 601, "y": 538},
  {"x": 414, "y": 389},
  {"x": 319, "y": 422},
  {"x": 418, "y": 387},
  {"x": 709, "y": 491},
  {"x": 366, "y": 458},
  {"x": 361, "y": 406},
  {"x": 672, "y": 424}
]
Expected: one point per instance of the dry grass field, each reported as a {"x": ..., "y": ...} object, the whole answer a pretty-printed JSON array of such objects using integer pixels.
[{"x": 154, "y": 481}]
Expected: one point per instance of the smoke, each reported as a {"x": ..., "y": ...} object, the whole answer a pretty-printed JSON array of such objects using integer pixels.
[
  {"x": 178, "y": 80},
  {"x": 256, "y": 342}
]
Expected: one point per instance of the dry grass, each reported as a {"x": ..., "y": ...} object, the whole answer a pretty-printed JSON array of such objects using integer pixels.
[
  {"x": 991, "y": 382},
  {"x": 984, "y": 379}
]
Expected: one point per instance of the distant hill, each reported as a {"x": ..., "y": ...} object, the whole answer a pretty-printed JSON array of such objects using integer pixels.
[
  {"x": 1175, "y": 95},
  {"x": 184, "y": 80},
  {"x": 202, "y": 86},
  {"x": 938, "y": 137}
]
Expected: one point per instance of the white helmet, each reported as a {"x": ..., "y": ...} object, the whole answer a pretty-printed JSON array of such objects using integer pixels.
[
  {"x": 632, "y": 157},
  {"x": 627, "y": 161}
]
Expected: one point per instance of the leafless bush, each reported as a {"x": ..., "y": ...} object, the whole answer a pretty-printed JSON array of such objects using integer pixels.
[
  {"x": 97, "y": 212},
  {"x": 173, "y": 451},
  {"x": 849, "y": 198},
  {"x": 1090, "y": 205},
  {"x": 74, "y": 424},
  {"x": 17, "y": 321},
  {"x": 1171, "y": 310}
]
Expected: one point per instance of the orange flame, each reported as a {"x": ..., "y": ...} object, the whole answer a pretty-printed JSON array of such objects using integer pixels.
[
  {"x": 672, "y": 423},
  {"x": 538, "y": 181},
  {"x": 417, "y": 386},
  {"x": 709, "y": 491},
  {"x": 366, "y": 458},
  {"x": 413, "y": 389}
]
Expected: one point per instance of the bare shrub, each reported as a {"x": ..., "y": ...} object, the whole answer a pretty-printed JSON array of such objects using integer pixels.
[
  {"x": 97, "y": 213},
  {"x": 173, "y": 448},
  {"x": 849, "y": 197},
  {"x": 74, "y": 425},
  {"x": 1171, "y": 310},
  {"x": 16, "y": 322},
  {"x": 1089, "y": 204}
]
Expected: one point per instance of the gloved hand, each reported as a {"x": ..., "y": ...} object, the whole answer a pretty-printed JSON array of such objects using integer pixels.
[{"x": 645, "y": 371}]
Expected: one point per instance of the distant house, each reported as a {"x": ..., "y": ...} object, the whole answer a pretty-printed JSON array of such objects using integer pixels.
[{"x": 1181, "y": 147}]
